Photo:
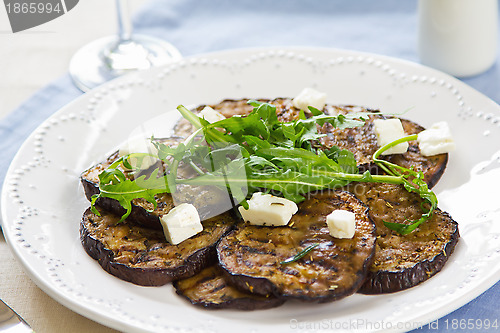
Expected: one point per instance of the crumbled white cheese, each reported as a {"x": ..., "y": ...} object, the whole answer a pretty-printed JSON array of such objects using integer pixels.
[
  {"x": 436, "y": 140},
  {"x": 309, "y": 97},
  {"x": 211, "y": 115},
  {"x": 389, "y": 130},
  {"x": 268, "y": 210},
  {"x": 139, "y": 145},
  {"x": 342, "y": 223},
  {"x": 181, "y": 223}
]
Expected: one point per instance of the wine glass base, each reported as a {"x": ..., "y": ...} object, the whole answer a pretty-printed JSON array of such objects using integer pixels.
[{"x": 106, "y": 58}]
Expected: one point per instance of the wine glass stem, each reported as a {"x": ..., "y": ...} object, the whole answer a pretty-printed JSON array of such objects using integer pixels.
[{"x": 124, "y": 22}]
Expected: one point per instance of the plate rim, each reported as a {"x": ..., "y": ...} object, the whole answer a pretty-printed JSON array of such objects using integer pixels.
[{"x": 105, "y": 320}]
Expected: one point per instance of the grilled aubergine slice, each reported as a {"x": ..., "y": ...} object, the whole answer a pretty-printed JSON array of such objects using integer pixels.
[
  {"x": 403, "y": 261},
  {"x": 361, "y": 141},
  {"x": 142, "y": 255},
  {"x": 251, "y": 256},
  {"x": 208, "y": 200},
  {"x": 210, "y": 289}
]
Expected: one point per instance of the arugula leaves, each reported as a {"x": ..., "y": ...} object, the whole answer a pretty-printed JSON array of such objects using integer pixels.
[{"x": 244, "y": 154}]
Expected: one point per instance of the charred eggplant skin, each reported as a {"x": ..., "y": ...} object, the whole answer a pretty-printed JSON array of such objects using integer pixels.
[
  {"x": 211, "y": 290},
  {"x": 251, "y": 256}
]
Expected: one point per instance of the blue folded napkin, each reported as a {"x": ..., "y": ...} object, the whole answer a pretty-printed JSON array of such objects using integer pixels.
[{"x": 387, "y": 27}]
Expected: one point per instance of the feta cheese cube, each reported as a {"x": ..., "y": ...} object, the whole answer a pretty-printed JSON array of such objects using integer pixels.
[
  {"x": 211, "y": 115},
  {"x": 309, "y": 97},
  {"x": 139, "y": 145},
  {"x": 342, "y": 223},
  {"x": 436, "y": 140},
  {"x": 181, "y": 223},
  {"x": 389, "y": 130},
  {"x": 268, "y": 210}
]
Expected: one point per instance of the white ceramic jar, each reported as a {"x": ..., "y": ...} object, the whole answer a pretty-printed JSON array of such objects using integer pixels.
[{"x": 459, "y": 37}]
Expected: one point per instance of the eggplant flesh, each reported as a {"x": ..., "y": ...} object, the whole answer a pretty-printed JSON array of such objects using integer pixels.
[
  {"x": 142, "y": 255},
  {"x": 403, "y": 261},
  {"x": 210, "y": 289},
  {"x": 251, "y": 256}
]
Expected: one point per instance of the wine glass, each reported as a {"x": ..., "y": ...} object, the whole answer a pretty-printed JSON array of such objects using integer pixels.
[{"x": 112, "y": 56}]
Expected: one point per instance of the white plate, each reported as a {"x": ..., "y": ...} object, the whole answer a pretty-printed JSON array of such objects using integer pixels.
[{"x": 42, "y": 200}]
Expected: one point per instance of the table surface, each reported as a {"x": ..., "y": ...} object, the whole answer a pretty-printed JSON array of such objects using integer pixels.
[
  {"x": 35, "y": 58},
  {"x": 51, "y": 44}
]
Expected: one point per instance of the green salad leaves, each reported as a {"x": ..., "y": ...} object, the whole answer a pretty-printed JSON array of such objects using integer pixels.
[{"x": 257, "y": 152}]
